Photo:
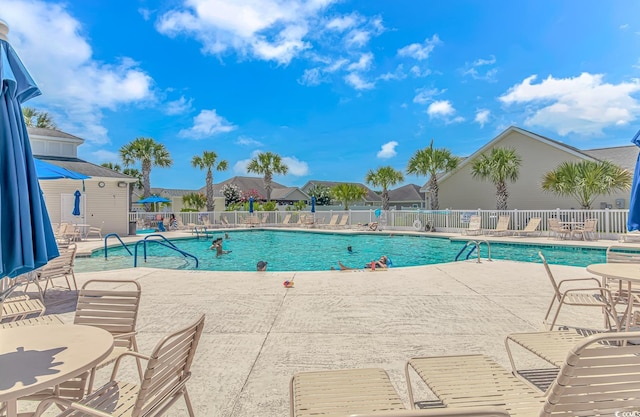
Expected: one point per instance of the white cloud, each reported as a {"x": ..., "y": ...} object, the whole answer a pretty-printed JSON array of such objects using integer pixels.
[
  {"x": 357, "y": 37},
  {"x": 106, "y": 156},
  {"x": 624, "y": 27},
  {"x": 206, "y": 124},
  {"x": 312, "y": 76},
  {"x": 73, "y": 84},
  {"x": 583, "y": 105},
  {"x": 420, "y": 51},
  {"x": 357, "y": 82},
  {"x": 388, "y": 150},
  {"x": 425, "y": 95},
  {"x": 240, "y": 167},
  {"x": 343, "y": 23},
  {"x": 363, "y": 64},
  {"x": 296, "y": 167},
  {"x": 476, "y": 71},
  {"x": 418, "y": 72},
  {"x": 440, "y": 108},
  {"x": 179, "y": 106},
  {"x": 266, "y": 29},
  {"x": 247, "y": 141},
  {"x": 145, "y": 13},
  {"x": 443, "y": 109},
  {"x": 482, "y": 117},
  {"x": 398, "y": 74}
]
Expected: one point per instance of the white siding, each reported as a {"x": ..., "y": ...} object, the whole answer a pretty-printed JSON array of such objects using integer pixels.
[
  {"x": 108, "y": 204},
  {"x": 461, "y": 191}
]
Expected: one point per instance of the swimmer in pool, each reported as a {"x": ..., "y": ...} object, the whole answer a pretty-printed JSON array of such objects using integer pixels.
[{"x": 380, "y": 263}]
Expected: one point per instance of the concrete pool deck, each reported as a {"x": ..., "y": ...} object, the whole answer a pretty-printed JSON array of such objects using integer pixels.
[{"x": 258, "y": 333}]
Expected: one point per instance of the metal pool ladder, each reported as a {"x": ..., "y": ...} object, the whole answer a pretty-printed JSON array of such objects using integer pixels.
[
  {"x": 167, "y": 244},
  {"x": 475, "y": 246}
]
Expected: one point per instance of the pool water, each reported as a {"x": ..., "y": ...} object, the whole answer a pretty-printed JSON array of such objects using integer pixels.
[{"x": 309, "y": 251}]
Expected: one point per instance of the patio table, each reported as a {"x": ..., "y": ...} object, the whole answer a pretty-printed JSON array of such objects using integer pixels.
[
  {"x": 84, "y": 228},
  {"x": 33, "y": 358},
  {"x": 628, "y": 273}
]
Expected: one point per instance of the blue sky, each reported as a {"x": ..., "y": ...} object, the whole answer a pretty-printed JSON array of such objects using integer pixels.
[{"x": 335, "y": 87}]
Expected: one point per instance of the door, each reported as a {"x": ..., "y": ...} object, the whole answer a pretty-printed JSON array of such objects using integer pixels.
[{"x": 66, "y": 209}]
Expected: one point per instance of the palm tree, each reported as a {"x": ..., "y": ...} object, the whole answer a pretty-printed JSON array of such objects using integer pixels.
[
  {"x": 585, "y": 180},
  {"x": 348, "y": 193},
  {"x": 112, "y": 166},
  {"x": 35, "y": 118},
  {"x": 384, "y": 177},
  {"x": 432, "y": 162},
  {"x": 500, "y": 166},
  {"x": 267, "y": 164},
  {"x": 208, "y": 161},
  {"x": 150, "y": 153},
  {"x": 132, "y": 172},
  {"x": 195, "y": 200}
]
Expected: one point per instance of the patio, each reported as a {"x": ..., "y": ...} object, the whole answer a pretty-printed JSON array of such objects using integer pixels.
[{"x": 258, "y": 333}]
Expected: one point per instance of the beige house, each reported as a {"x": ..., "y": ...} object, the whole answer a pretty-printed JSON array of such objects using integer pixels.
[
  {"x": 104, "y": 196},
  {"x": 459, "y": 190}
]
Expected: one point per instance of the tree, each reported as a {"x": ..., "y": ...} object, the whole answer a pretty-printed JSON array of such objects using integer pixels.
[
  {"x": 112, "y": 166},
  {"x": 384, "y": 177},
  {"x": 231, "y": 194},
  {"x": 208, "y": 161},
  {"x": 432, "y": 162},
  {"x": 149, "y": 153},
  {"x": 35, "y": 118},
  {"x": 348, "y": 193},
  {"x": 321, "y": 193},
  {"x": 195, "y": 200},
  {"x": 500, "y": 166},
  {"x": 585, "y": 180},
  {"x": 267, "y": 164}
]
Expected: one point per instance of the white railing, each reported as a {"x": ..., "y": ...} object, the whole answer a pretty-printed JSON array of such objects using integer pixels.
[{"x": 611, "y": 222}]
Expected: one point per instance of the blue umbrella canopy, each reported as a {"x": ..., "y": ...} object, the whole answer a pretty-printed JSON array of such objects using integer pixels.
[
  {"x": 76, "y": 203},
  {"x": 47, "y": 171},
  {"x": 26, "y": 236},
  {"x": 154, "y": 199},
  {"x": 250, "y": 204},
  {"x": 313, "y": 204},
  {"x": 633, "y": 220}
]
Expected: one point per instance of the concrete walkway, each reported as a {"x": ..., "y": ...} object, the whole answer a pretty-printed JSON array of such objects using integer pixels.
[{"x": 259, "y": 333}]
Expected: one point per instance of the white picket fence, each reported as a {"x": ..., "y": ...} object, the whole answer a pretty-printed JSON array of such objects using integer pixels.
[{"x": 611, "y": 222}]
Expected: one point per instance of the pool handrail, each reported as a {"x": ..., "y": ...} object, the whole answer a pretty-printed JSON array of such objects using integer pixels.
[
  {"x": 119, "y": 239},
  {"x": 168, "y": 244},
  {"x": 476, "y": 246}
]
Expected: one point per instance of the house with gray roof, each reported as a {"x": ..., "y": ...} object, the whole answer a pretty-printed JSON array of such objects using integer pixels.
[
  {"x": 407, "y": 196},
  {"x": 371, "y": 198}
]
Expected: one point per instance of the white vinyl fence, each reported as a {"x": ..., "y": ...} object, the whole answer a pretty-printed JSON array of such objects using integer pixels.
[{"x": 611, "y": 222}]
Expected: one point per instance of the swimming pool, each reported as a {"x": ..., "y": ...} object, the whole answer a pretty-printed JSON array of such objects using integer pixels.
[{"x": 313, "y": 251}]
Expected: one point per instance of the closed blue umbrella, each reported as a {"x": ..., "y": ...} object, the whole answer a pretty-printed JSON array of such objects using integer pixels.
[
  {"x": 633, "y": 220},
  {"x": 26, "y": 236},
  {"x": 250, "y": 204},
  {"x": 313, "y": 204},
  {"x": 76, "y": 203}
]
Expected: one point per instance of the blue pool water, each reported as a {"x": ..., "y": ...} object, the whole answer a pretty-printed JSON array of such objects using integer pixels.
[{"x": 309, "y": 251}]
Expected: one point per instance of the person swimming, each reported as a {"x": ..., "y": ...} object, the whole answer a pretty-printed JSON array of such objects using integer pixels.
[
  {"x": 383, "y": 262},
  {"x": 349, "y": 249}
]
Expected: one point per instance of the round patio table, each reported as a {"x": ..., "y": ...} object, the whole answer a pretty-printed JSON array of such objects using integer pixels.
[
  {"x": 623, "y": 272},
  {"x": 33, "y": 358}
]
